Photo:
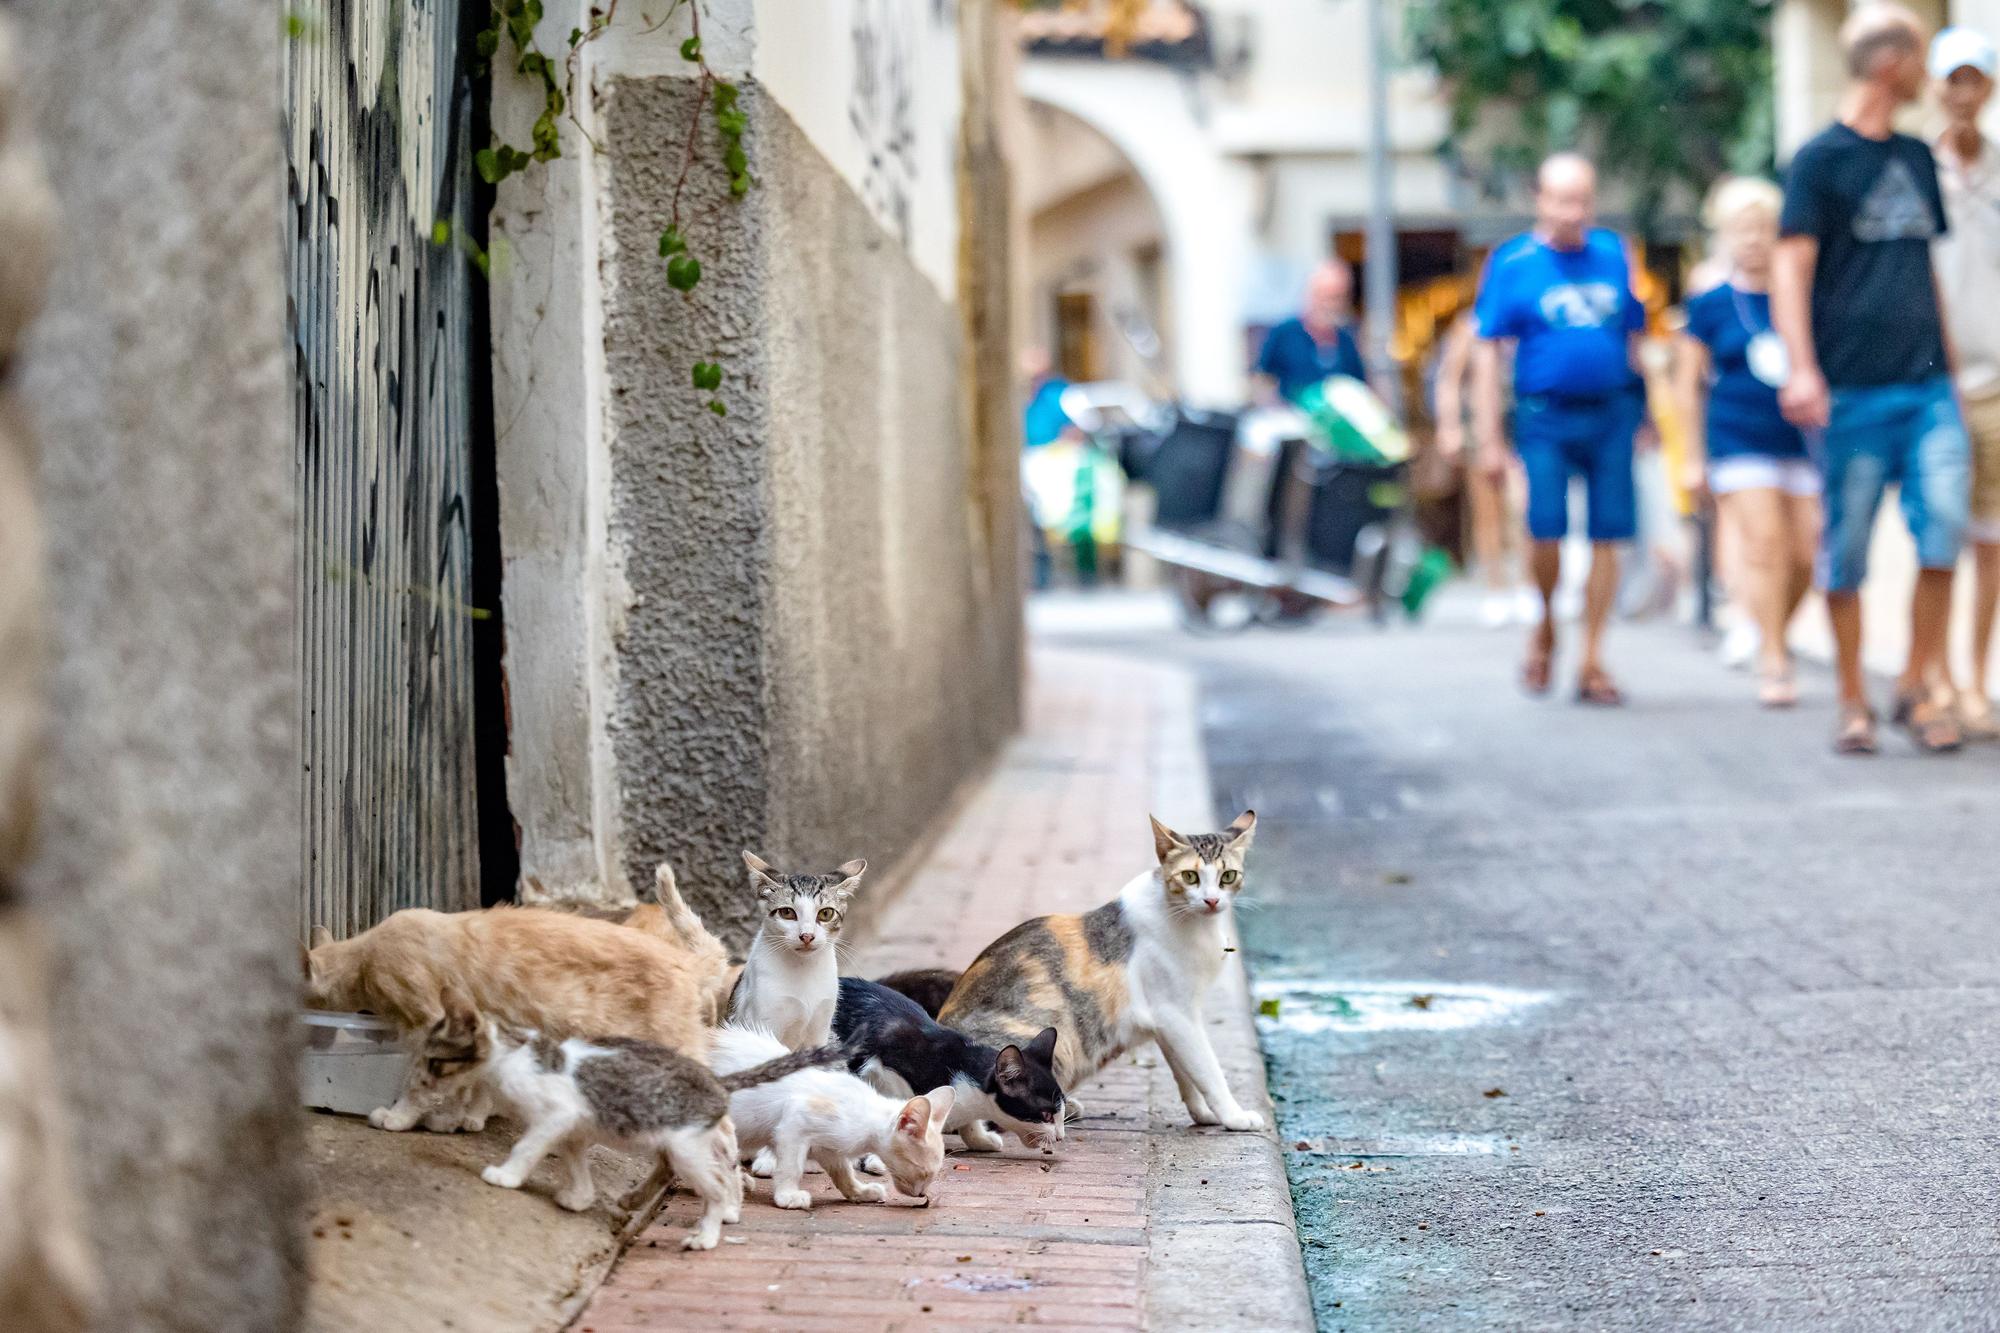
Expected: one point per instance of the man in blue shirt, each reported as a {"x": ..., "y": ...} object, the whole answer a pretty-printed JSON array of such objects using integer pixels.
[
  {"x": 1562, "y": 294},
  {"x": 1298, "y": 353}
]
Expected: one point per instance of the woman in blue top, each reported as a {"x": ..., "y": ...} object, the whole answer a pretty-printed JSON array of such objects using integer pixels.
[{"x": 1740, "y": 447}]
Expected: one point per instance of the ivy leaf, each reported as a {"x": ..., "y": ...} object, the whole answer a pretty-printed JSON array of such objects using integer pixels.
[
  {"x": 440, "y": 232},
  {"x": 691, "y": 49},
  {"x": 739, "y": 185},
  {"x": 707, "y": 376},
  {"x": 487, "y": 163},
  {"x": 683, "y": 272},
  {"x": 575, "y": 36},
  {"x": 715, "y": 406},
  {"x": 672, "y": 242},
  {"x": 735, "y": 160},
  {"x": 487, "y": 42}
]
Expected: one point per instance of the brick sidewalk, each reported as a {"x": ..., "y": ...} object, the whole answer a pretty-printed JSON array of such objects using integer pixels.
[{"x": 1016, "y": 1238}]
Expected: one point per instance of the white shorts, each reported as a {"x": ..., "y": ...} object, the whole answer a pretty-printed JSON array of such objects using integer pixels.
[{"x": 1755, "y": 472}]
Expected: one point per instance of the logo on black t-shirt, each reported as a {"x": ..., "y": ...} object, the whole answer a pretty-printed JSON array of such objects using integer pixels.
[{"x": 1894, "y": 209}]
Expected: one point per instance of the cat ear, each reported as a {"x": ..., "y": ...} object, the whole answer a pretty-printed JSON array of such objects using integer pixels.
[
  {"x": 914, "y": 1118},
  {"x": 320, "y": 935},
  {"x": 1010, "y": 1067},
  {"x": 940, "y": 1100},
  {"x": 1042, "y": 1050},
  {"x": 850, "y": 878},
  {"x": 1242, "y": 828},
  {"x": 305, "y": 963},
  {"x": 760, "y": 874},
  {"x": 1165, "y": 841}
]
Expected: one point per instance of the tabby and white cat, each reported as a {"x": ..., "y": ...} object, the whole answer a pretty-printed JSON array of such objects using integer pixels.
[
  {"x": 790, "y": 982},
  {"x": 832, "y": 1118},
  {"x": 1131, "y": 971},
  {"x": 619, "y": 1091}
]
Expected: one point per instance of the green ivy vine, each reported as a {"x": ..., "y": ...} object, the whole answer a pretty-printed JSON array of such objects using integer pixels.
[{"x": 515, "y": 21}]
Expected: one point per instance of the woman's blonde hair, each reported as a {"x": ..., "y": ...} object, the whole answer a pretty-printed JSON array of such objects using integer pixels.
[{"x": 1738, "y": 195}]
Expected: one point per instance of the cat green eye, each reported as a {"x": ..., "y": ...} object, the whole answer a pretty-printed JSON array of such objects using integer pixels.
[
  {"x": 827, "y": 914},
  {"x": 787, "y": 914},
  {"x": 1230, "y": 876},
  {"x": 1190, "y": 877}
]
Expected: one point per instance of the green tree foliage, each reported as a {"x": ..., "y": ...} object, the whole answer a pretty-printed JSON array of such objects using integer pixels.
[{"x": 1660, "y": 92}]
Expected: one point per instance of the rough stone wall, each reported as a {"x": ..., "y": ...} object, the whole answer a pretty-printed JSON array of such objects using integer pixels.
[
  {"x": 169, "y": 864},
  {"x": 820, "y": 648}
]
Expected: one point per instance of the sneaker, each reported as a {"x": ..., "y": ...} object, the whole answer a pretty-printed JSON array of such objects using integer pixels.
[
  {"x": 1527, "y": 608},
  {"x": 1739, "y": 645},
  {"x": 1496, "y": 610}
]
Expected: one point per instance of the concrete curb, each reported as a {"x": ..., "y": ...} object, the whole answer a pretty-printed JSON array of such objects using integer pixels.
[{"x": 1223, "y": 1249}]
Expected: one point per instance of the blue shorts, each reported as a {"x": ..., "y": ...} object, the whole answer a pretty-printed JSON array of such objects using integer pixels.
[
  {"x": 1911, "y": 434},
  {"x": 1559, "y": 439}
]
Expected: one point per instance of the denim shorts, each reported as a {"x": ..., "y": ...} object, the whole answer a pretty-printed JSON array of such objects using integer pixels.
[
  {"x": 1910, "y": 434},
  {"x": 1563, "y": 438}
]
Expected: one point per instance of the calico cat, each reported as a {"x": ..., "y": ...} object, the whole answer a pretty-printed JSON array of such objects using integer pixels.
[
  {"x": 1131, "y": 971},
  {"x": 788, "y": 986},
  {"x": 619, "y": 1091},
  {"x": 898, "y": 1048},
  {"x": 928, "y": 986},
  {"x": 524, "y": 967},
  {"x": 833, "y": 1118}
]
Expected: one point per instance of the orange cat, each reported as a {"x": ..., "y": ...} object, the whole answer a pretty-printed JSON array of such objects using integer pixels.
[{"x": 558, "y": 973}]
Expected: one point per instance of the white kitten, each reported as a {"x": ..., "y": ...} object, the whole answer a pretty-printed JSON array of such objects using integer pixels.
[
  {"x": 791, "y": 980},
  {"x": 831, "y": 1117}
]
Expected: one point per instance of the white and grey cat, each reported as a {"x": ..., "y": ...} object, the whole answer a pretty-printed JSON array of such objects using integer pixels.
[
  {"x": 619, "y": 1091},
  {"x": 791, "y": 978},
  {"x": 830, "y": 1117}
]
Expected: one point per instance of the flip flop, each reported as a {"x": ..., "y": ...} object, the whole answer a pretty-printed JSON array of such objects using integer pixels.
[
  {"x": 1976, "y": 718},
  {"x": 1596, "y": 688},
  {"x": 1857, "y": 730}
]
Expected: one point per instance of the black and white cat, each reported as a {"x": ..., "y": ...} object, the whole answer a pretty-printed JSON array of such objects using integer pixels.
[{"x": 898, "y": 1047}]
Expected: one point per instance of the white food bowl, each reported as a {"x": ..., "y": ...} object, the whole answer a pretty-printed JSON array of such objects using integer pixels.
[{"x": 353, "y": 1062}]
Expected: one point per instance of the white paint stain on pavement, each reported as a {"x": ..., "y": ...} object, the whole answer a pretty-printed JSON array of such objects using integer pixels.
[{"x": 1307, "y": 1006}]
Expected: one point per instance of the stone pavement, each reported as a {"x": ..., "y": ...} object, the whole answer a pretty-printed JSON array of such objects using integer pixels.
[
  {"x": 1710, "y": 1021},
  {"x": 1140, "y": 1221}
]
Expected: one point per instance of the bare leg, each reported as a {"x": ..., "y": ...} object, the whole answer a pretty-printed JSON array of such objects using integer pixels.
[
  {"x": 1489, "y": 525},
  {"x": 1545, "y": 567},
  {"x": 1765, "y": 582},
  {"x": 1843, "y": 609},
  {"x": 1930, "y": 616},
  {"x": 1599, "y": 594},
  {"x": 1802, "y": 534},
  {"x": 1985, "y": 601}
]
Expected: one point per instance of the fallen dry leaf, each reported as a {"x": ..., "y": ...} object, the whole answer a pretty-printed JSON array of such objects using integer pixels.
[
  {"x": 1421, "y": 1001},
  {"x": 1494, "y": 1092}
]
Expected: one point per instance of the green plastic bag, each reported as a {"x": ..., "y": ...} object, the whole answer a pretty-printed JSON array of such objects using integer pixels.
[{"x": 1351, "y": 423}]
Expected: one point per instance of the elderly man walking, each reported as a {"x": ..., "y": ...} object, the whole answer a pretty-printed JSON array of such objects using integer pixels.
[
  {"x": 1562, "y": 294},
  {"x": 1855, "y": 299},
  {"x": 1300, "y": 352}
]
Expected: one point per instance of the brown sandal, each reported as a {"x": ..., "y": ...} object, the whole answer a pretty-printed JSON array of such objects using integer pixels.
[
  {"x": 1935, "y": 732},
  {"x": 1595, "y": 687},
  {"x": 1857, "y": 730}
]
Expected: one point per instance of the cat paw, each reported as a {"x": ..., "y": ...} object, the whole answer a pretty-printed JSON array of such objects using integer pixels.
[
  {"x": 394, "y": 1119},
  {"x": 502, "y": 1177},
  {"x": 763, "y": 1164},
  {"x": 792, "y": 1198},
  {"x": 871, "y": 1192},
  {"x": 703, "y": 1238},
  {"x": 871, "y": 1165},
  {"x": 1200, "y": 1112},
  {"x": 576, "y": 1201},
  {"x": 732, "y": 1214},
  {"x": 981, "y": 1137},
  {"x": 1245, "y": 1122}
]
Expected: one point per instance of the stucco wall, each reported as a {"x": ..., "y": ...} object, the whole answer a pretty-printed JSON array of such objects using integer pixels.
[
  {"x": 157, "y": 380},
  {"x": 817, "y": 650}
]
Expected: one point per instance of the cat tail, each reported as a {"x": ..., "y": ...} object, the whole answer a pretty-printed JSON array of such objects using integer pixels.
[{"x": 790, "y": 1063}]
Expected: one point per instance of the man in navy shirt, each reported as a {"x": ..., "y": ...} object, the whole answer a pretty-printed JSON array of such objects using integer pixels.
[
  {"x": 1299, "y": 353},
  {"x": 1562, "y": 294},
  {"x": 1855, "y": 298}
]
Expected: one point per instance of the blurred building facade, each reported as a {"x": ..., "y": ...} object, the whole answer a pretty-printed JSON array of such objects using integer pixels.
[
  {"x": 1807, "y": 68},
  {"x": 1179, "y": 189}
]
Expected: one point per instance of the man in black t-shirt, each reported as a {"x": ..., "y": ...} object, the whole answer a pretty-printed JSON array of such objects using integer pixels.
[{"x": 1856, "y": 301}]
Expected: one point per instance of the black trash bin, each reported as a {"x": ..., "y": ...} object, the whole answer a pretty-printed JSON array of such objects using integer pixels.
[{"x": 1186, "y": 469}]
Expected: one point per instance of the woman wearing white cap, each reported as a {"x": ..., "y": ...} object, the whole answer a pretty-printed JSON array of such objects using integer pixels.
[
  {"x": 1968, "y": 269},
  {"x": 1740, "y": 446}
]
